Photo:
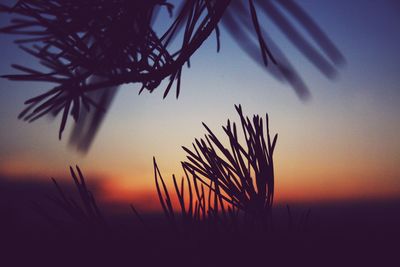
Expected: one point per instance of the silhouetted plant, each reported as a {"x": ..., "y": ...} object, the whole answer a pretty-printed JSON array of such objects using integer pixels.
[
  {"x": 202, "y": 207},
  {"x": 83, "y": 211},
  {"x": 242, "y": 175},
  {"x": 92, "y": 45},
  {"x": 237, "y": 178}
]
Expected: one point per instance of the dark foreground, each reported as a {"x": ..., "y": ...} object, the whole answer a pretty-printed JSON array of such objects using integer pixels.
[{"x": 357, "y": 234}]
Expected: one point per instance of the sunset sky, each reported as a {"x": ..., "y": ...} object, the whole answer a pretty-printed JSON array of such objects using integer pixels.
[{"x": 341, "y": 144}]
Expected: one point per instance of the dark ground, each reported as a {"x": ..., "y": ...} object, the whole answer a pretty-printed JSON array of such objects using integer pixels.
[
  {"x": 366, "y": 233},
  {"x": 335, "y": 236}
]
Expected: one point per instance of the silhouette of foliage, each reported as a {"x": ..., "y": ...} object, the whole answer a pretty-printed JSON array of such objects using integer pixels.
[
  {"x": 84, "y": 211},
  {"x": 244, "y": 173},
  {"x": 96, "y": 45},
  {"x": 237, "y": 178},
  {"x": 202, "y": 206}
]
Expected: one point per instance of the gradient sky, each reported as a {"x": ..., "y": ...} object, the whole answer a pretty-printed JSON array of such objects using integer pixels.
[{"x": 342, "y": 144}]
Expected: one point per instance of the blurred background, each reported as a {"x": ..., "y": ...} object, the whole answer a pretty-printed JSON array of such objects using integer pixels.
[{"x": 341, "y": 145}]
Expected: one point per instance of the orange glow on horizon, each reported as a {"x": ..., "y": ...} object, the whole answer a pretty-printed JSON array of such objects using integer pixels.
[
  {"x": 146, "y": 199},
  {"x": 304, "y": 188}
]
